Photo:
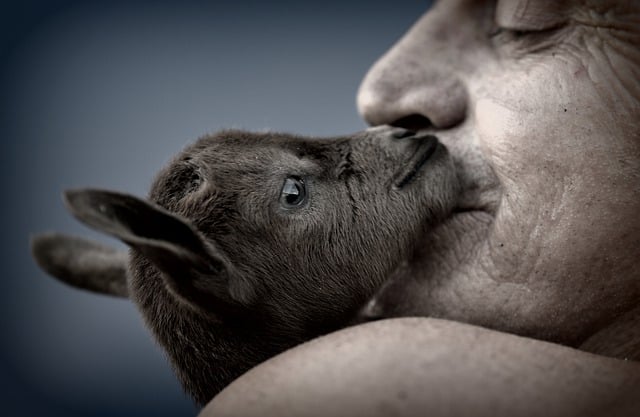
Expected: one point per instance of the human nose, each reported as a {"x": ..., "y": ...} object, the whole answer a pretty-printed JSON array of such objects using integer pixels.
[{"x": 415, "y": 85}]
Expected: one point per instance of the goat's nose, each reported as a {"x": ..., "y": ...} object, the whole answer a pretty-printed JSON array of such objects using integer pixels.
[{"x": 402, "y": 133}]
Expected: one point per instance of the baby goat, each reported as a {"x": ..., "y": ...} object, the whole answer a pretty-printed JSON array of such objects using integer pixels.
[{"x": 252, "y": 243}]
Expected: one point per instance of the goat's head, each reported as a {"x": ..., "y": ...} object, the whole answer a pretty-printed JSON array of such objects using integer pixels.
[{"x": 252, "y": 243}]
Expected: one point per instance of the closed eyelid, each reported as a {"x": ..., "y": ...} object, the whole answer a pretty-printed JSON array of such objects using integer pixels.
[{"x": 531, "y": 14}]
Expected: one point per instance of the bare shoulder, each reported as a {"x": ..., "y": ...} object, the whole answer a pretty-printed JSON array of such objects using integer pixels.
[{"x": 413, "y": 366}]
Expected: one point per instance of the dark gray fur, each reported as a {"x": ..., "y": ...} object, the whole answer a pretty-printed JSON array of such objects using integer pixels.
[{"x": 224, "y": 275}]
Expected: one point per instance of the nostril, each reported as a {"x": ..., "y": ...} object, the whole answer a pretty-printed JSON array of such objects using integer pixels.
[
  {"x": 413, "y": 122},
  {"x": 401, "y": 133}
]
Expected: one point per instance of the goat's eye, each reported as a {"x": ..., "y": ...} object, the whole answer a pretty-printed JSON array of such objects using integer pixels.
[{"x": 294, "y": 193}]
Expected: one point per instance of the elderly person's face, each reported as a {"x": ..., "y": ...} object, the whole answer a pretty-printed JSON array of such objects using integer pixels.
[{"x": 539, "y": 102}]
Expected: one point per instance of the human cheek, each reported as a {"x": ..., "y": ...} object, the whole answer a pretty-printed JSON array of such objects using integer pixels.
[
  {"x": 557, "y": 153},
  {"x": 523, "y": 140}
]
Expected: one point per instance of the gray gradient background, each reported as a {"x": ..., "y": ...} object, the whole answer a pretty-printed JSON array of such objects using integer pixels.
[{"x": 102, "y": 94}]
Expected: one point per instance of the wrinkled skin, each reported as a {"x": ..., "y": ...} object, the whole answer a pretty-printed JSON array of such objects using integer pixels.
[
  {"x": 539, "y": 104},
  {"x": 546, "y": 126}
]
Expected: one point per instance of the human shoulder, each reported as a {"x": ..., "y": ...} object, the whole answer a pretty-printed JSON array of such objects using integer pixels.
[{"x": 413, "y": 366}]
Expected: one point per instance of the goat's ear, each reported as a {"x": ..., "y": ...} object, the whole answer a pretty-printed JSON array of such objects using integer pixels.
[
  {"x": 82, "y": 263},
  {"x": 192, "y": 269}
]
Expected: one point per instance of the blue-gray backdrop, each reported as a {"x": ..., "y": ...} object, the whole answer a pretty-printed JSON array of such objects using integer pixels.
[{"x": 102, "y": 94}]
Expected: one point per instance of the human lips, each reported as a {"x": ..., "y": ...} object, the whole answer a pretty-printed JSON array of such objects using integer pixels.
[{"x": 478, "y": 199}]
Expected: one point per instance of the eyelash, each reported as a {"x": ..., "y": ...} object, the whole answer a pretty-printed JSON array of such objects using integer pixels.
[
  {"x": 516, "y": 34},
  {"x": 522, "y": 42}
]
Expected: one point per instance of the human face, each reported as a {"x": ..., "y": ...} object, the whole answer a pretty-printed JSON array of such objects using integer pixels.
[{"x": 539, "y": 103}]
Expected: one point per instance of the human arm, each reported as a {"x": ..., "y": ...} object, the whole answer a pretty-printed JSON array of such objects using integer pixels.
[{"x": 422, "y": 366}]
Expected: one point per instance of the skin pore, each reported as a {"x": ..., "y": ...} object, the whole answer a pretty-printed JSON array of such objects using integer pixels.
[{"x": 538, "y": 103}]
